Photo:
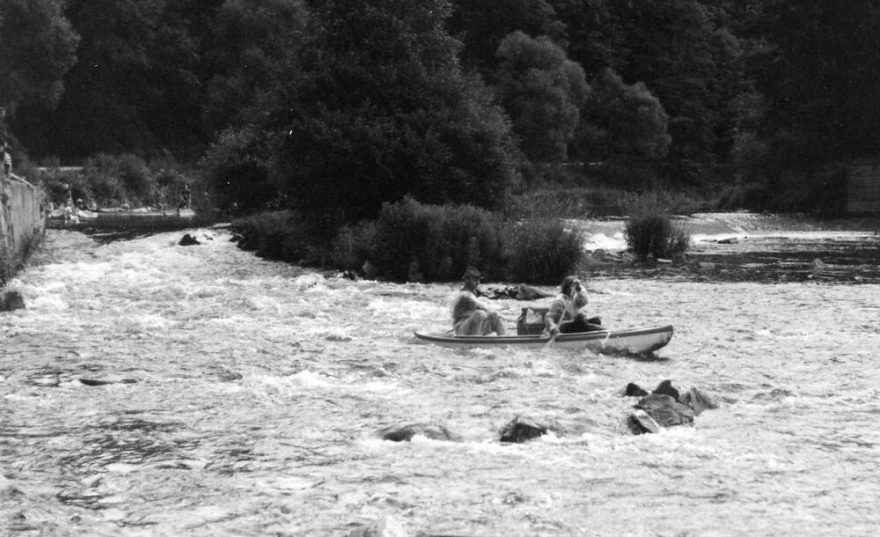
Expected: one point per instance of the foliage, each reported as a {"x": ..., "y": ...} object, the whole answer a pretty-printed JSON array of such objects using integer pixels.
[
  {"x": 683, "y": 53},
  {"x": 551, "y": 201},
  {"x": 253, "y": 50},
  {"x": 236, "y": 172},
  {"x": 415, "y": 125},
  {"x": 624, "y": 129},
  {"x": 38, "y": 47},
  {"x": 650, "y": 230},
  {"x": 354, "y": 245},
  {"x": 117, "y": 180},
  {"x": 542, "y": 91},
  {"x": 419, "y": 242},
  {"x": 818, "y": 77},
  {"x": 545, "y": 251},
  {"x": 483, "y": 24},
  {"x": 277, "y": 235}
]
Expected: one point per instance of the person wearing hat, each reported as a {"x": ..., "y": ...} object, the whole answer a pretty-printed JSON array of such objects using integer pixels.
[
  {"x": 470, "y": 315},
  {"x": 567, "y": 312}
]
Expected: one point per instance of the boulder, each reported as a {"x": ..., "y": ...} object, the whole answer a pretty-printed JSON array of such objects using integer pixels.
[
  {"x": 666, "y": 406},
  {"x": 11, "y": 300},
  {"x": 405, "y": 433},
  {"x": 634, "y": 390},
  {"x": 188, "y": 240},
  {"x": 698, "y": 401},
  {"x": 525, "y": 292},
  {"x": 639, "y": 422},
  {"x": 522, "y": 429},
  {"x": 666, "y": 410}
]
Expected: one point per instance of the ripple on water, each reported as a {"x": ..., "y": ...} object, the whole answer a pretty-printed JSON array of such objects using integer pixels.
[{"x": 258, "y": 388}]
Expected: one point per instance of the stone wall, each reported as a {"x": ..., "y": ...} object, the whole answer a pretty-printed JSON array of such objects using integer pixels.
[{"x": 22, "y": 223}]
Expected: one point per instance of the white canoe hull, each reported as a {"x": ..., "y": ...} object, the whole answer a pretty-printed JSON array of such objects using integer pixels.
[{"x": 637, "y": 341}]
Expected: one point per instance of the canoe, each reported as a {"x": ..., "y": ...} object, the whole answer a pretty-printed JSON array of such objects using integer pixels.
[{"x": 634, "y": 341}]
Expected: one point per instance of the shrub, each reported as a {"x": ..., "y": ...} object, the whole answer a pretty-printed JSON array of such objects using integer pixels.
[
  {"x": 115, "y": 179},
  {"x": 544, "y": 251},
  {"x": 353, "y": 245},
  {"x": 436, "y": 243},
  {"x": 650, "y": 231},
  {"x": 277, "y": 235}
]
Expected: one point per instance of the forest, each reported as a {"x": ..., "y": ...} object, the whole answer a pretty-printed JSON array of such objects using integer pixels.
[{"x": 332, "y": 108}]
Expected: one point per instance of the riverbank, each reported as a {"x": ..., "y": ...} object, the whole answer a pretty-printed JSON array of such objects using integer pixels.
[
  {"x": 730, "y": 247},
  {"x": 22, "y": 224}
]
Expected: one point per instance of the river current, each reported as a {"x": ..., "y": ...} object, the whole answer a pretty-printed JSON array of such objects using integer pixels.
[{"x": 154, "y": 389}]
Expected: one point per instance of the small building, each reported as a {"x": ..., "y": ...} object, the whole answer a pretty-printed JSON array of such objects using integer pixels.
[{"x": 863, "y": 187}]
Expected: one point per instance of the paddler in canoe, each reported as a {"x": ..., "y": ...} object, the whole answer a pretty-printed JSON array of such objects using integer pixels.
[
  {"x": 567, "y": 313},
  {"x": 470, "y": 315}
]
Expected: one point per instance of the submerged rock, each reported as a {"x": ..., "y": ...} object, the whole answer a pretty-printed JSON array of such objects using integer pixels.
[
  {"x": 665, "y": 407},
  {"x": 188, "y": 240},
  {"x": 666, "y": 410},
  {"x": 11, "y": 300},
  {"x": 522, "y": 429},
  {"x": 405, "y": 433}
]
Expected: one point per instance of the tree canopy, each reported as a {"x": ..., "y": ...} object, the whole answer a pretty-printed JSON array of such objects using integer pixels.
[
  {"x": 38, "y": 47},
  {"x": 444, "y": 100}
]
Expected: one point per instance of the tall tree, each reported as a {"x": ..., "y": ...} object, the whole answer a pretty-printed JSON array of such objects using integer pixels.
[
  {"x": 253, "y": 48},
  {"x": 624, "y": 130},
  {"x": 691, "y": 62},
  {"x": 542, "y": 91},
  {"x": 38, "y": 47},
  {"x": 819, "y": 79},
  {"x": 483, "y": 24},
  {"x": 383, "y": 111},
  {"x": 137, "y": 85}
]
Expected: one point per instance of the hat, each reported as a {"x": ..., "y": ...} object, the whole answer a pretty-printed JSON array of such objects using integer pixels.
[{"x": 471, "y": 272}]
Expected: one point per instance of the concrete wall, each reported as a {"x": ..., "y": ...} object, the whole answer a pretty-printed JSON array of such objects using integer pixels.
[
  {"x": 863, "y": 187},
  {"x": 22, "y": 223}
]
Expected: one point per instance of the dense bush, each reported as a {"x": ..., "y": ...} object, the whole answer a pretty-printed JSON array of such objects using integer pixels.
[
  {"x": 280, "y": 236},
  {"x": 236, "y": 173},
  {"x": 436, "y": 243},
  {"x": 544, "y": 251},
  {"x": 650, "y": 230},
  {"x": 353, "y": 245}
]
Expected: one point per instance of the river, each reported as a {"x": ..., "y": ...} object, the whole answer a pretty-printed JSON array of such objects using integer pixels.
[{"x": 154, "y": 389}]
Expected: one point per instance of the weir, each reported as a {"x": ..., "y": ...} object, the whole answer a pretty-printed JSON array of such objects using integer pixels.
[{"x": 22, "y": 223}]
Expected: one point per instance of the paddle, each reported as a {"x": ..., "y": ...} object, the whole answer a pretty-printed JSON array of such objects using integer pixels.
[{"x": 550, "y": 342}]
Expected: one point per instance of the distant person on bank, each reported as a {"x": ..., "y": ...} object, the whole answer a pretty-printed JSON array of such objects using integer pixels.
[
  {"x": 470, "y": 315},
  {"x": 7, "y": 160},
  {"x": 567, "y": 313}
]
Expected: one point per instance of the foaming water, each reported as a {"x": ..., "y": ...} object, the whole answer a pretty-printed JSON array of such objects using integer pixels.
[{"x": 153, "y": 389}]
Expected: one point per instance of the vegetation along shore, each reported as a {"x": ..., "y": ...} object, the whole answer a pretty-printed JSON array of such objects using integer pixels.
[{"x": 417, "y": 138}]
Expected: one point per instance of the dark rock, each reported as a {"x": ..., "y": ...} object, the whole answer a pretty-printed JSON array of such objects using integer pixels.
[
  {"x": 350, "y": 275},
  {"x": 105, "y": 381},
  {"x": 188, "y": 240},
  {"x": 666, "y": 388},
  {"x": 666, "y": 411},
  {"x": 639, "y": 422},
  {"x": 698, "y": 401},
  {"x": 525, "y": 292},
  {"x": 522, "y": 429},
  {"x": 634, "y": 390},
  {"x": 405, "y": 433},
  {"x": 11, "y": 300}
]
